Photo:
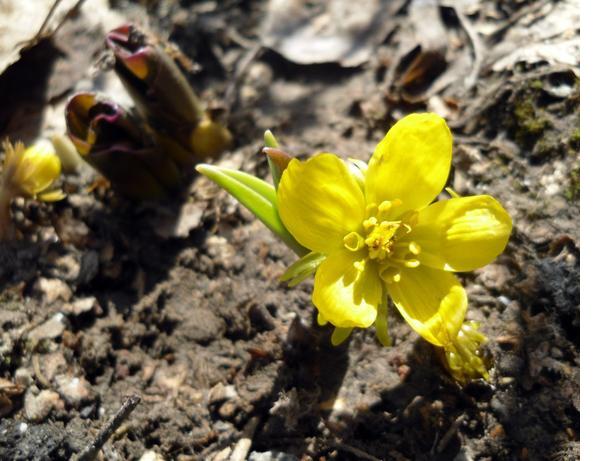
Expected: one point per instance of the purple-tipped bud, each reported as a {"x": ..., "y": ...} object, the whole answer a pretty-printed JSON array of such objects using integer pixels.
[
  {"x": 108, "y": 139},
  {"x": 278, "y": 162},
  {"x": 158, "y": 87},
  {"x": 164, "y": 97}
]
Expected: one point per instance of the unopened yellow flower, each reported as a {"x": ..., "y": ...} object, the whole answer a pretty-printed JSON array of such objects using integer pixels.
[
  {"x": 382, "y": 235},
  {"x": 30, "y": 172}
]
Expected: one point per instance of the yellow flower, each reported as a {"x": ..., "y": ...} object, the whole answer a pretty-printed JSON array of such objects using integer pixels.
[
  {"x": 381, "y": 235},
  {"x": 30, "y": 172}
]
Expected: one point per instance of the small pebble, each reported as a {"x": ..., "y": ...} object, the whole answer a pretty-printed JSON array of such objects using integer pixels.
[
  {"x": 271, "y": 456},
  {"x": 220, "y": 392},
  {"x": 81, "y": 306},
  {"x": 74, "y": 390},
  {"x": 50, "y": 329},
  {"x": 52, "y": 290},
  {"x": 151, "y": 456},
  {"x": 38, "y": 407}
]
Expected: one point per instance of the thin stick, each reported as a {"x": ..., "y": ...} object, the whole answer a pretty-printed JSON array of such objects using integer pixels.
[
  {"x": 90, "y": 452},
  {"x": 355, "y": 451},
  {"x": 450, "y": 433},
  {"x": 241, "y": 449},
  {"x": 40, "y": 32}
]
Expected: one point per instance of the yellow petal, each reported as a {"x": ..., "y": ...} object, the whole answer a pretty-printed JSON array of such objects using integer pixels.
[
  {"x": 320, "y": 202},
  {"x": 462, "y": 234},
  {"x": 347, "y": 291},
  {"x": 411, "y": 163},
  {"x": 433, "y": 302},
  {"x": 340, "y": 335}
]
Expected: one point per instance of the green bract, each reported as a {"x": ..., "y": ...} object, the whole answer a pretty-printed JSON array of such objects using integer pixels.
[{"x": 255, "y": 194}]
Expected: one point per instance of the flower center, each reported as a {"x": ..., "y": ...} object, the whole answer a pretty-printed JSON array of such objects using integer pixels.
[
  {"x": 386, "y": 239},
  {"x": 381, "y": 238}
]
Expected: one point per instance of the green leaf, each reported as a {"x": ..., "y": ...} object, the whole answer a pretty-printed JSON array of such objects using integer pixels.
[
  {"x": 278, "y": 160},
  {"x": 256, "y": 195},
  {"x": 340, "y": 335},
  {"x": 270, "y": 139},
  {"x": 302, "y": 269}
]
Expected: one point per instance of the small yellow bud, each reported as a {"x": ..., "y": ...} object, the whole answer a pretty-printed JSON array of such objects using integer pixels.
[
  {"x": 210, "y": 138},
  {"x": 30, "y": 172},
  {"x": 26, "y": 173}
]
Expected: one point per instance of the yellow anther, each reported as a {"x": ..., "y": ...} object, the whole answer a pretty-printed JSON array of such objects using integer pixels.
[
  {"x": 354, "y": 241},
  {"x": 414, "y": 248},
  {"x": 396, "y": 278},
  {"x": 371, "y": 222},
  {"x": 383, "y": 210},
  {"x": 384, "y": 206},
  {"x": 412, "y": 263},
  {"x": 359, "y": 265}
]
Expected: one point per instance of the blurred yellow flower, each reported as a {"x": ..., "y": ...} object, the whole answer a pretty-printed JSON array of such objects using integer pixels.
[
  {"x": 26, "y": 173},
  {"x": 381, "y": 235},
  {"x": 30, "y": 172}
]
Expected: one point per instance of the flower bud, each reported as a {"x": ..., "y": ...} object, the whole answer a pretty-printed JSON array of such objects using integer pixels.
[
  {"x": 464, "y": 356},
  {"x": 107, "y": 137},
  {"x": 30, "y": 172},
  {"x": 27, "y": 173},
  {"x": 164, "y": 97}
]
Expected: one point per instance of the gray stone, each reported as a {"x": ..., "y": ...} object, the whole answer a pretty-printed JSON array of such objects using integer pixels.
[{"x": 271, "y": 456}]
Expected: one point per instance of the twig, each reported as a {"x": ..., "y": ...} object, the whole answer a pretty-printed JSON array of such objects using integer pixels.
[
  {"x": 37, "y": 371},
  {"x": 516, "y": 17},
  {"x": 40, "y": 32},
  {"x": 69, "y": 14},
  {"x": 231, "y": 93},
  {"x": 90, "y": 452},
  {"x": 355, "y": 451},
  {"x": 242, "y": 447},
  {"x": 450, "y": 433},
  {"x": 476, "y": 45}
]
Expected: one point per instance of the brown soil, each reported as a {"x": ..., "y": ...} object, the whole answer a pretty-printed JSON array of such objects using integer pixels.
[{"x": 199, "y": 326}]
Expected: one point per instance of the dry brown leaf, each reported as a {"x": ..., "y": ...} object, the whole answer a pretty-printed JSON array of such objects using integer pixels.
[{"x": 321, "y": 32}]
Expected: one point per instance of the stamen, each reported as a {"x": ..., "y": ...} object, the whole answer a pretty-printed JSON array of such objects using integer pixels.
[
  {"x": 354, "y": 241},
  {"x": 371, "y": 210},
  {"x": 411, "y": 218},
  {"x": 389, "y": 274},
  {"x": 368, "y": 223},
  {"x": 382, "y": 209},
  {"x": 412, "y": 263},
  {"x": 359, "y": 265},
  {"x": 414, "y": 248},
  {"x": 384, "y": 206}
]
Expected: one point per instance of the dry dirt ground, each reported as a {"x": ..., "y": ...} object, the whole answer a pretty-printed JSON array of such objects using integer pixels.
[{"x": 179, "y": 302}]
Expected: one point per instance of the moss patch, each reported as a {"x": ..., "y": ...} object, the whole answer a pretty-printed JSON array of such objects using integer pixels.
[
  {"x": 530, "y": 125},
  {"x": 573, "y": 189}
]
